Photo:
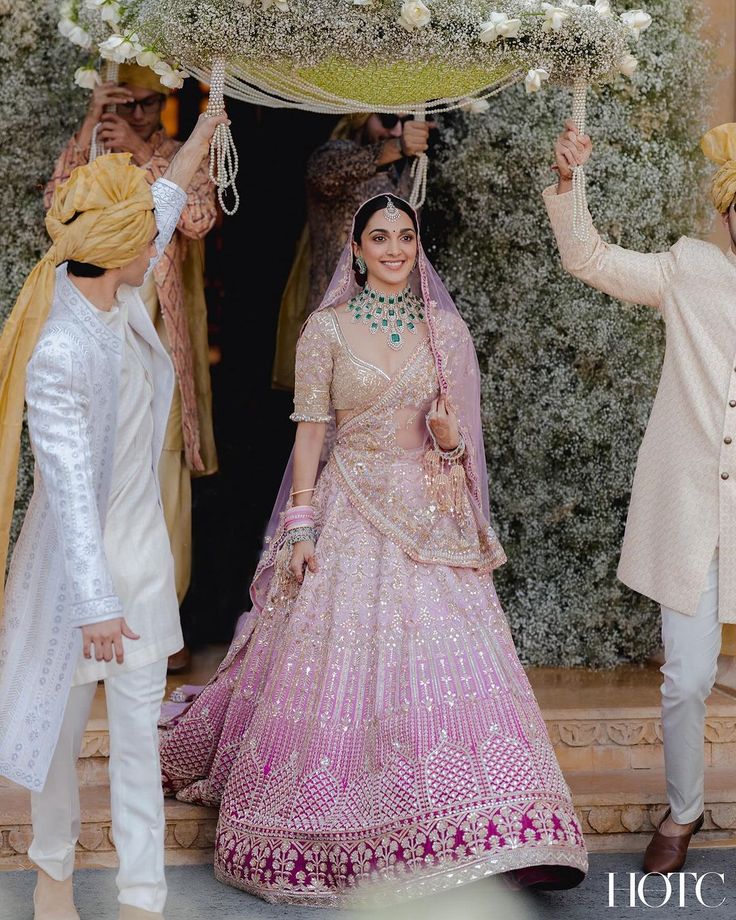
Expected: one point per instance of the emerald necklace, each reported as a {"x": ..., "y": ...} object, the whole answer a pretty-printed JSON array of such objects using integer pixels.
[{"x": 392, "y": 314}]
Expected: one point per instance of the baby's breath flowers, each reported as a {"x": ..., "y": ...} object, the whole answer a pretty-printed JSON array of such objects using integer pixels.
[{"x": 566, "y": 40}]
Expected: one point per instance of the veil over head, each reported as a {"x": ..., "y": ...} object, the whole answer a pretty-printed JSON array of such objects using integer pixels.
[{"x": 448, "y": 335}]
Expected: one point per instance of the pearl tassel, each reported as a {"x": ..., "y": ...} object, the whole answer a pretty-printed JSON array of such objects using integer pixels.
[
  {"x": 419, "y": 172},
  {"x": 112, "y": 71},
  {"x": 580, "y": 198},
  {"x": 223, "y": 154}
]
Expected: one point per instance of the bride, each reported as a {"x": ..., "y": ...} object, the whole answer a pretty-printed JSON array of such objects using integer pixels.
[{"x": 371, "y": 720}]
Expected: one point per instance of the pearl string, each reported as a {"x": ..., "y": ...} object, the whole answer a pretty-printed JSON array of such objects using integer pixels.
[
  {"x": 580, "y": 197},
  {"x": 419, "y": 172},
  {"x": 224, "y": 161},
  {"x": 112, "y": 71}
]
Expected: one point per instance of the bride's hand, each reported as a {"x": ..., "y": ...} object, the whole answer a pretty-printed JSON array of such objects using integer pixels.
[
  {"x": 303, "y": 553},
  {"x": 442, "y": 421}
]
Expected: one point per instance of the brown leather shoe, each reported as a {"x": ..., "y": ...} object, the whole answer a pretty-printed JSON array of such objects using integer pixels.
[
  {"x": 180, "y": 661},
  {"x": 668, "y": 854}
]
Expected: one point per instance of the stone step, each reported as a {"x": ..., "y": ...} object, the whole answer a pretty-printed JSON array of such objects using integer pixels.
[
  {"x": 597, "y": 720},
  {"x": 190, "y": 830},
  {"x": 619, "y": 809},
  {"x": 610, "y": 720}
]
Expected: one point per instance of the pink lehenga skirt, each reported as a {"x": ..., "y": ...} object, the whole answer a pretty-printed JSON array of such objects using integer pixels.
[{"x": 374, "y": 725}]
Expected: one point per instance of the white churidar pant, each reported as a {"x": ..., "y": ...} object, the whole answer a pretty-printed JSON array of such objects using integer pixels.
[
  {"x": 138, "y": 825},
  {"x": 691, "y": 646}
]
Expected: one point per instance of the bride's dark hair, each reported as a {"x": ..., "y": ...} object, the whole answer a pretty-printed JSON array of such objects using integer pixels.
[{"x": 367, "y": 210}]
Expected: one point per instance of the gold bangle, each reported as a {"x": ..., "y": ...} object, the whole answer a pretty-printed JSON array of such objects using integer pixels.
[{"x": 299, "y": 491}]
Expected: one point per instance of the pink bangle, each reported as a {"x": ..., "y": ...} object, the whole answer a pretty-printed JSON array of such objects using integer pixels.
[{"x": 299, "y": 516}]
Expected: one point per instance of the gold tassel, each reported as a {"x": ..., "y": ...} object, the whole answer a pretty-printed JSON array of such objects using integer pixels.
[{"x": 457, "y": 477}]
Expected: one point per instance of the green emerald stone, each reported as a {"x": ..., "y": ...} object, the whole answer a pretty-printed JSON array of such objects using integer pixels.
[
  {"x": 374, "y": 327},
  {"x": 410, "y": 326},
  {"x": 379, "y": 311},
  {"x": 381, "y": 299},
  {"x": 399, "y": 323},
  {"x": 369, "y": 316},
  {"x": 384, "y": 323},
  {"x": 392, "y": 312},
  {"x": 395, "y": 337}
]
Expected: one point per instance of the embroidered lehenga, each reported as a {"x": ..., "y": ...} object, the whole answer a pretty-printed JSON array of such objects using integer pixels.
[{"x": 375, "y": 723}]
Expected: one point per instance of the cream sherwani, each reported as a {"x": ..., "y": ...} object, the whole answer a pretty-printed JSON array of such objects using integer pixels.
[{"x": 683, "y": 500}]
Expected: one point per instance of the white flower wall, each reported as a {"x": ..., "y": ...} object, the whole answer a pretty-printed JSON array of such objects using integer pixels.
[
  {"x": 39, "y": 109},
  {"x": 569, "y": 374}
]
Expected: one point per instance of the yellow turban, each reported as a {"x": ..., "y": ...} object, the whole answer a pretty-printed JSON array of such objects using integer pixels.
[
  {"x": 143, "y": 77},
  {"x": 115, "y": 221},
  {"x": 719, "y": 145}
]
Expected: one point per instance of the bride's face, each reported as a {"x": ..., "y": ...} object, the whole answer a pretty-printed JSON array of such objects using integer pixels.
[{"x": 389, "y": 250}]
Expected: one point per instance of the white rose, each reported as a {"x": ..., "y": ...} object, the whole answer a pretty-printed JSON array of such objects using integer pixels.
[
  {"x": 534, "y": 79},
  {"x": 628, "y": 64},
  {"x": 554, "y": 17},
  {"x": 120, "y": 48},
  {"x": 169, "y": 76},
  {"x": 66, "y": 26},
  {"x": 603, "y": 8},
  {"x": 414, "y": 15},
  {"x": 637, "y": 20},
  {"x": 87, "y": 77},
  {"x": 110, "y": 12},
  {"x": 78, "y": 36},
  {"x": 475, "y": 106},
  {"x": 147, "y": 58},
  {"x": 499, "y": 26}
]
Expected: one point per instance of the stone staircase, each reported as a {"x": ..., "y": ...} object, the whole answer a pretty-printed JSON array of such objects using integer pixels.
[
  {"x": 604, "y": 725},
  {"x": 607, "y": 732}
]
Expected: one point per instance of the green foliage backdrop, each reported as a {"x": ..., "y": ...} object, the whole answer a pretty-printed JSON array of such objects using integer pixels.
[{"x": 569, "y": 374}]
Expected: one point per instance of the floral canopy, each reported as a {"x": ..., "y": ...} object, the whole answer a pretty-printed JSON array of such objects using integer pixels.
[{"x": 344, "y": 56}]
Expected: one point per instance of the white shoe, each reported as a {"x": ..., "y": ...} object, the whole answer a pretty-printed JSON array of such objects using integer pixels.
[{"x": 53, "y": 900}]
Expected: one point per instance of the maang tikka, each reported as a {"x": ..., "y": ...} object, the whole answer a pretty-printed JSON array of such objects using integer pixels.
[{"x": 391, "y": 213}]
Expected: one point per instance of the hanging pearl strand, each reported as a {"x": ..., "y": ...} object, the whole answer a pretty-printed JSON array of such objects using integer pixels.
[
  {"x": 223, "y": 155},
  {"x": 419, "y": 172},
  {"x": 580, "y": 197},
  {"x": 112, "y": 71}
]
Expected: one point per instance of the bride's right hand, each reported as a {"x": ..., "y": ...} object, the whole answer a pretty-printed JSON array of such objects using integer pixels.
[{"x": 303, "y": 553}]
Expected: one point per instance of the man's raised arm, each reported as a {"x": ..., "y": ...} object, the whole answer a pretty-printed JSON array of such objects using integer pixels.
[{"x": 622, "y": 273}]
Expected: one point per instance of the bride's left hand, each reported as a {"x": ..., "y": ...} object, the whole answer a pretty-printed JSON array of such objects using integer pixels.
[{"x": 442, "y": 421}]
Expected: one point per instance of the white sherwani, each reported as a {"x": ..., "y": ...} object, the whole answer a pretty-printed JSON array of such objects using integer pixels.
[
  {"x": 136, "y": 541},
  {"x": 683, "y": 500},
  {"x": 60, "y": 577}
]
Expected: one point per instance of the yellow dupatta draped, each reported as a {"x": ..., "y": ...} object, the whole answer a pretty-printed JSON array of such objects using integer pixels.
[{"x": 103, "y": 214}]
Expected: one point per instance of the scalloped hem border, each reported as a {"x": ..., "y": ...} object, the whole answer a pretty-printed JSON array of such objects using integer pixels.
[{"x": 420, "y": 883}]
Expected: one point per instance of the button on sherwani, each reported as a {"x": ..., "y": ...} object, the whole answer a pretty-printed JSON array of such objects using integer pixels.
[{"x": 683, "y": 499}]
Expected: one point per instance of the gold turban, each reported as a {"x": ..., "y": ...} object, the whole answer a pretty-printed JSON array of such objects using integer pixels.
[
  {"x": 719, "y": 145},
  {"x": 144, "y": 77},
  {"x": 115, "y": 221}
]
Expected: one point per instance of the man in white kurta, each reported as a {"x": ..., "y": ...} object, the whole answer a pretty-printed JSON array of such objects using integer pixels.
[
  {"x": 680, "y": 541},
  {"x": 93, "y": 563}
]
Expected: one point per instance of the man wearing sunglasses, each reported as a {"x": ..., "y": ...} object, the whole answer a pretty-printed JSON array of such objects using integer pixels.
[
  {"x": 173, "y": 293},
  {"x": 367, "y": 155}
]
